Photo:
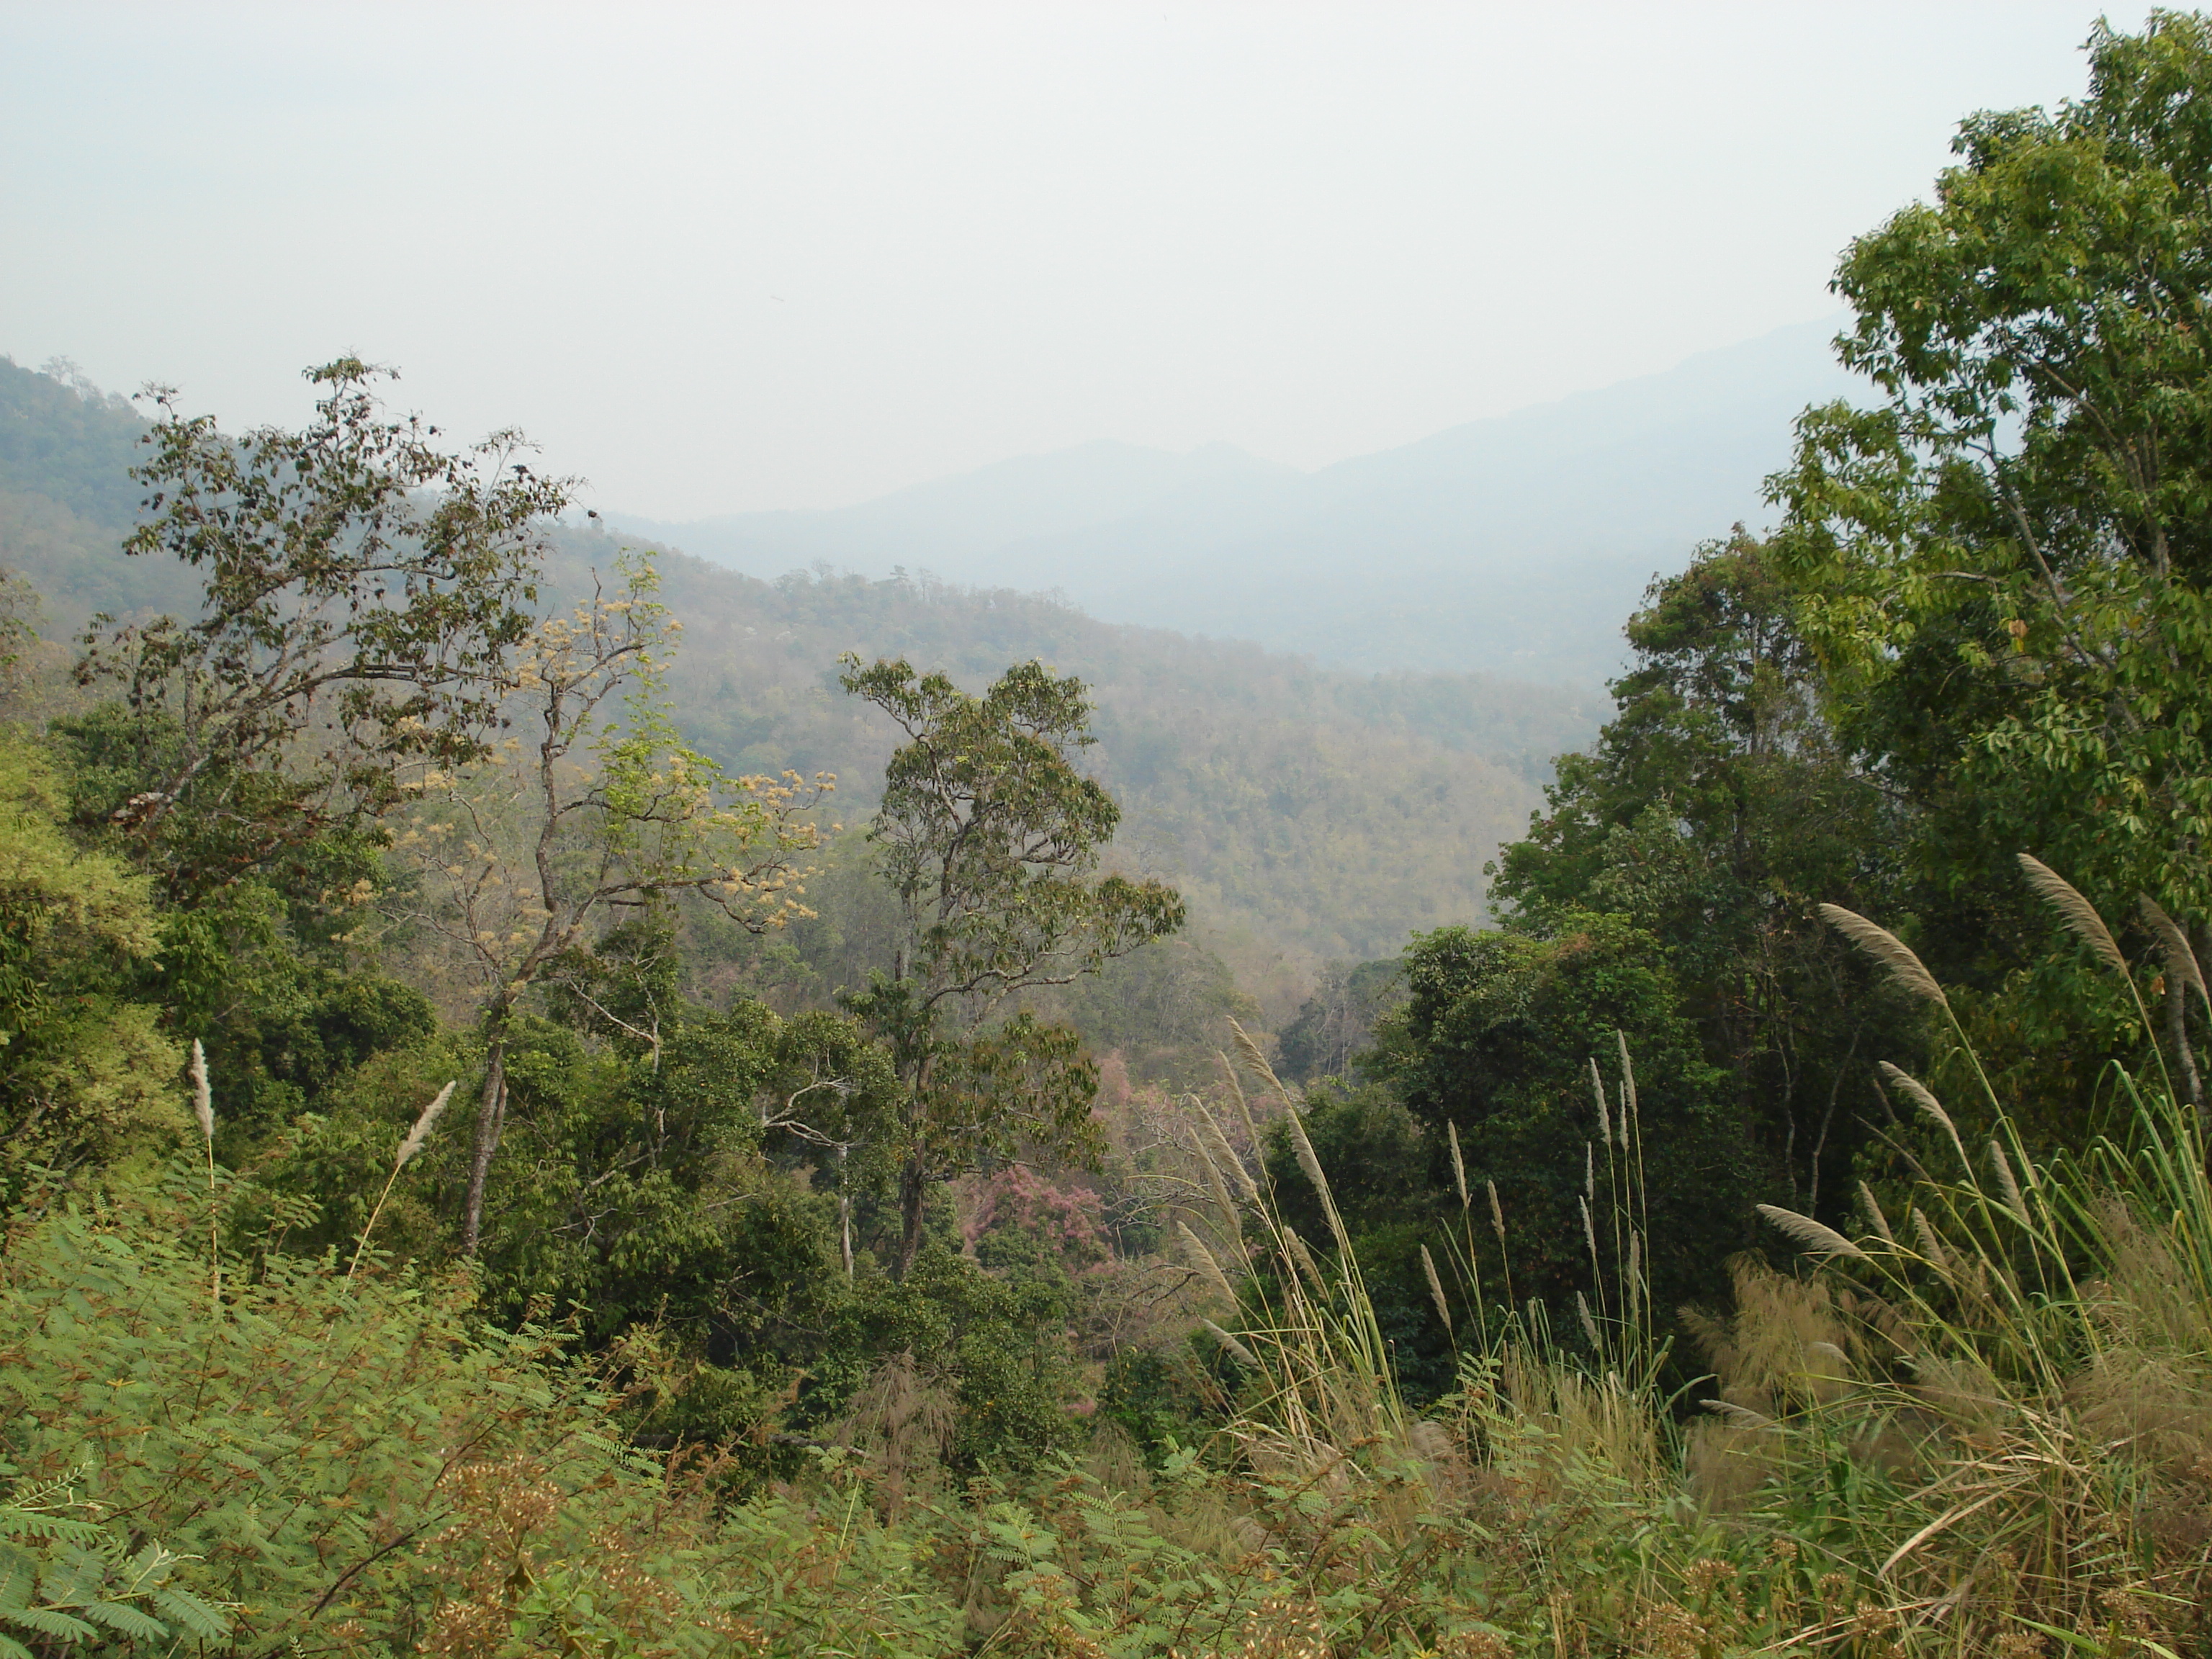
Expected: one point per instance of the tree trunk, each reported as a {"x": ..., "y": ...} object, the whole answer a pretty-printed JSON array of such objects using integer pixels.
[
  {"x": 844, "y": 1212},
  {"x": 491, "y": 1114},
  {"x": 914, "y": 1187}
]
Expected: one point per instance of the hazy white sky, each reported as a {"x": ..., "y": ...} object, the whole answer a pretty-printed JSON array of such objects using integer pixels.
[{"x": 748, "y": 255}]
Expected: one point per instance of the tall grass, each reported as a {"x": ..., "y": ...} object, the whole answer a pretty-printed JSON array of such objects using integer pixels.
[{"x": 1981, "y": 1427}]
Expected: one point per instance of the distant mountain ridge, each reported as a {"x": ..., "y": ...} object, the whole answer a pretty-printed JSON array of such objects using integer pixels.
[{"x": 1515, "y": 545}]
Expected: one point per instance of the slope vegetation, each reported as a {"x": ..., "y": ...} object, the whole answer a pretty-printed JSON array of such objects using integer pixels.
[{"x": 1309, "y": 813}]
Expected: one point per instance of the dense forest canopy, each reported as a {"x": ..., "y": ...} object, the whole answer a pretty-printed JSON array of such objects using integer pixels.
[{"x": 504, "y": 1153}]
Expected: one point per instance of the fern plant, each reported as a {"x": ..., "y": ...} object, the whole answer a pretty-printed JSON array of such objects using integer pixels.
[{"x": 65, "y": 1580}]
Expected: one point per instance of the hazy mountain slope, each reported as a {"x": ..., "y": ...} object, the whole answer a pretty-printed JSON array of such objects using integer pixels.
[
  {"x": 1310, "y": 813},
  {"x": 66, "y": 499},
  {"x": 940, "y": 525},
  {"x": 1514, "y": 544}
]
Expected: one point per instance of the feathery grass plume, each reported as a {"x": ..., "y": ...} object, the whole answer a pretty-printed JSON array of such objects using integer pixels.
[
  {"x": 1436, "y": 1289},
  {"x": 1590, "y": 1234},
  {"x": 203, "y": 1112},
  {"x": 1242, "y": 1355},
  {"x": 1309, "y": 1162},
  {"x": 1917, "y": 1092},
  {"x": 1875, "y": 1215},
  {"x": 2080, "y": 915},
  {"x": 1302, "y": 1258},
  {"x": 1223, "y": 1150},
  {"x": 1589, "y": 1325},
  {"x": 1236, "y": 1094},
  {"x": 411, "y": 1143},
  {"x": 1931, "y": 1247},
  {"x": 1830, "y": 1350},
  {"x": 1589, "y": 1169},
  {"x": 1213, "y": 1181},
  {"x": 1202, "y": 1259},
  {"x": 1258, "y": 1062},
  {"x": 203, "y": 1095},
  {"x": 1742, "y": 1416},
  {"x": 420, "y": 1131},
  {"x": 1597, "y": 1091},
  {"x": 1810, "y": 1234},
  {"x": 1888, "y": 950},
  {"x": 2173, "y": 945},
  {"x": 1498, "y": 1227},
  {"x": 1458, "y": 1170},
  {"x": 1627, "y": 1085},
  {"x": 2014, "y": 1201}
]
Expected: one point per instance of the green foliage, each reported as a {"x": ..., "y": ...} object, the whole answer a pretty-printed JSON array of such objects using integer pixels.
[
  {"x": 65, "y": 1580},
  {"x": 991, "y": 839},
  {"x": 988, "y": 833},
  {"x": 1496, "y": 1044},
  {"x": 289, "y": 1055},
  {"x": 1715, "y": 812},
  {"x": 524, "y": 858},
  {"x": 290, "y": 1446},
  {"x": 2004, "y": 565},
  {"x": 362, "y": 590},
  {"x": 85, "y": 1073}
]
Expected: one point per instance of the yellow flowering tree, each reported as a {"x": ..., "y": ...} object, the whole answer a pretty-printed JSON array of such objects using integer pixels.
[{"x": 529, "y": 854}]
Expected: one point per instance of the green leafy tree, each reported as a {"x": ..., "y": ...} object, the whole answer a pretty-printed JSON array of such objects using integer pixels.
[
  {"x": 992, "y": 839},
  {"x": 2005, "y": 563},
  {"x": 1495, "y": 1047},
  {"x": 1717, "y": 812},
  {"x": 362, "y": 590}
]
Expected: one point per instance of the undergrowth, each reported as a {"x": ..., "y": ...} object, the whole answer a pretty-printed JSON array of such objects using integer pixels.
[{"x": 1982, "y": 1425}]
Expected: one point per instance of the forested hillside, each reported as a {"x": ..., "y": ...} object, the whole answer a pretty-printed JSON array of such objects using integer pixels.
[
  {"x": 1311, "y": 814},
  {"x": 498, "y": 1160}
]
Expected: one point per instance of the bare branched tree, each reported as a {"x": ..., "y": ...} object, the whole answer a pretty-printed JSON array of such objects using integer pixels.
[{"x": 525, "y": 855}]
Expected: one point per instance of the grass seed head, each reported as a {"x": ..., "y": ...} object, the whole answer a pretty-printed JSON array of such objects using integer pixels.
[
  {"x": 2181, "y": 963},
  {"x": 420, "y": 1131},
  {"x": 1809, "y": 1234},
  {"x": 1436, "y": 1287},
  {"x": 1917, "y": 1092},
  {"x": 203, "y": 1095},
  {"x": 1875, "y": 1215},
  {"x": 2078, "y": 913},
  {"x": 1886, "y": 948},
  {"x": 1202, "y": 1260},
  {"x": 1242, "y": 1355}
]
